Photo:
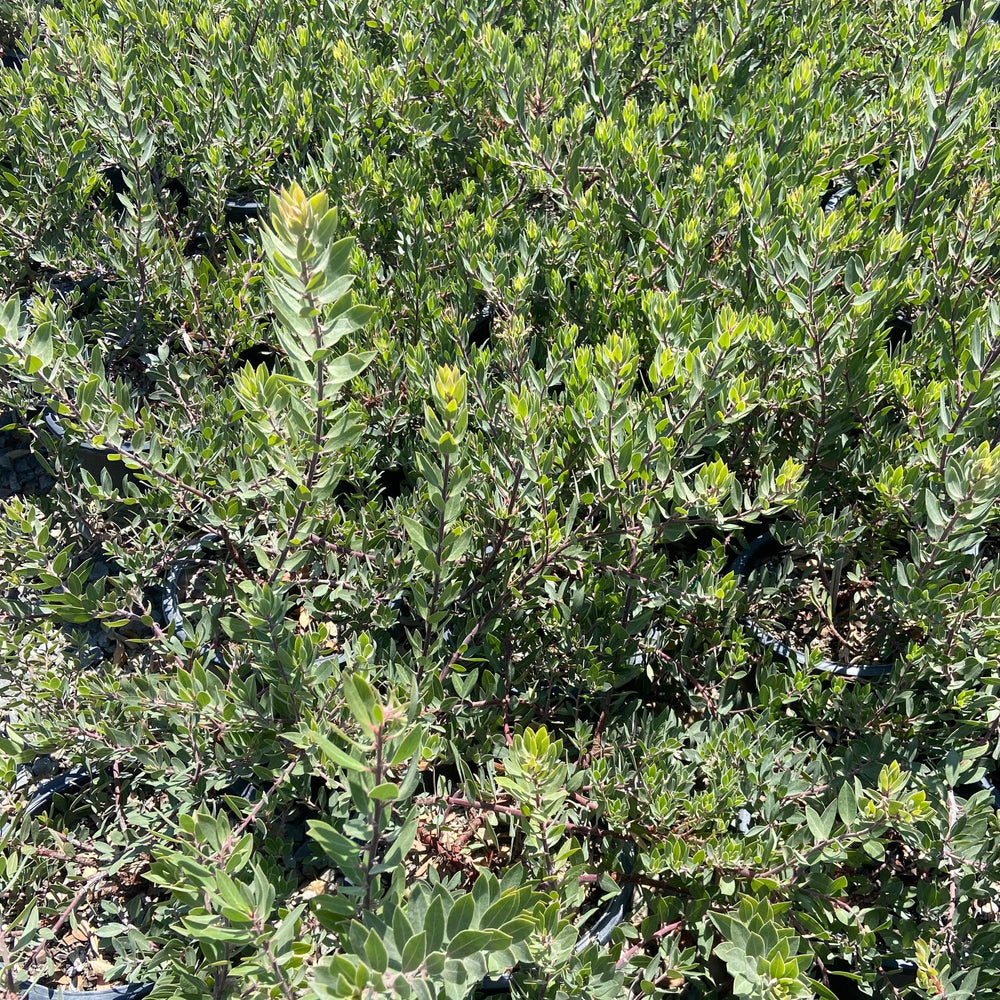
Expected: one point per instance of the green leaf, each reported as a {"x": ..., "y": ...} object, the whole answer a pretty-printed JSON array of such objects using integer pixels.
[
  {"x": 241, "y": 855},
  {"x": 342, "y": 430},
  {"x": 347, "y": 322},
  {"x": 110, "y": 930},
  {"x": 339, "y": 848},
  {"x": 360, "y": 700},
  {"x": 339, "y": 370},
  {"x": 934, "y": 515},
  {"x": 459, "y": 545},
  {"x": 401, "y": 844},
  {"x": 421, "y": 538},
  {"x": 333, "y": 753},
  {"x": 457, "y": 978},
  {"x": 874, "y": 848},
  {"x": 847, "y": 804},
  {"x": 408, "y": 747},
  {"x": 461, "y": 916},
  {"x": 332, "y": 912},
  {"x": 815, "y": 824},
  {"x": 378, "y": 957},
  {"x": 954, "y": 485},
  {"x": 424, "y": 543},
  {"x": 824, "y": 992},
  {"x": 434, "y": 925},
  {"x": 476, "y": 942},
  {"x": 414, "y": 951},
  {"x": 209, "y": 927},
  {"x": 798, "y": 303},
  {"x": 10, "y": 318}
]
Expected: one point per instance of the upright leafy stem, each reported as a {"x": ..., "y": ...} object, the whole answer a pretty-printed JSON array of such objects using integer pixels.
[
  {"x": 541, "y": 781},
  {"x": 310, "y": 285},
  {"x": 445, "y": 426}
]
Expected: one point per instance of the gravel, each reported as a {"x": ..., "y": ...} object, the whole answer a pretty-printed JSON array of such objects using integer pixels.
[{"x": 21, "y": 474}]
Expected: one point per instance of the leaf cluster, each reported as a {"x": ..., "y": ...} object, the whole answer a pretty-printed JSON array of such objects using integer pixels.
[{"x": 411, "y": 377}]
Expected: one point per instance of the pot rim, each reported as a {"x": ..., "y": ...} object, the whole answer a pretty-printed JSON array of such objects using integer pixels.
[
  {"x": 124, "y": 991},
  {"x": 741, "y": 566}
]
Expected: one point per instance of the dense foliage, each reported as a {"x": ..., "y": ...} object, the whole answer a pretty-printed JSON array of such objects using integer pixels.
[{"x": 374, "y": 600}]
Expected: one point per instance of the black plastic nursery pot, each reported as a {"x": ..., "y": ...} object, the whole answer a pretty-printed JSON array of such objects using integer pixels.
[
  {"x": 765, "y": 549},
  {"x": 244, "y": 207},
  {"x": 163, "y": 187},
  {"x": 94, "y": 459},
  {"x": 236, "y": 211},
  {"x": 595, "y": 929},
  {"x": 87, "y": 642},
  {"x": 955, "y": 13},
  {"x": 21, "y": 474},
  {"x": 258, "y": 354},
  {"x": 207, "y": 548},
  {"x": 894, "y": 975},
  {"x": 482, "y": 325},
  {"x": 203, "y": 552},
  {"x": 47, "y": 790},
  {"x": 74, "y": 780},
  {"x": 11, "y": 56},
  {"x": 835, "y": 196},
  {"x": 83, "y": 293},
  {"x": 124, "y": 991},
  {"x": 988, "y": 548},
  {"x": 898, "y": 329}
]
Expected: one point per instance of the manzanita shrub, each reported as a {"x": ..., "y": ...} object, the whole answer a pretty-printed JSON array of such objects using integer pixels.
[{"x": 406, "y": 513}]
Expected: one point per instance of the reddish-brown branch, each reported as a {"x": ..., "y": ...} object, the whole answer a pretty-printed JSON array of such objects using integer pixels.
[
  {"x": 65, "y": 915},
  {"x": 653, "y": 939}
]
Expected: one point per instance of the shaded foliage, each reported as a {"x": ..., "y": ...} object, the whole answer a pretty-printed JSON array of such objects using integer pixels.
[{"x": 590, "y": 294}]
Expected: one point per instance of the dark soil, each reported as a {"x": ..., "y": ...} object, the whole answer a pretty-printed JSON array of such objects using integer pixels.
[
  {"x": 791, "y": 599},
  {"x": 78, "y": 957}
]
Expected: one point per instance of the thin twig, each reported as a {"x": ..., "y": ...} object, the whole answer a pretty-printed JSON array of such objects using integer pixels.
[{"x": 66, "y": 913}]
